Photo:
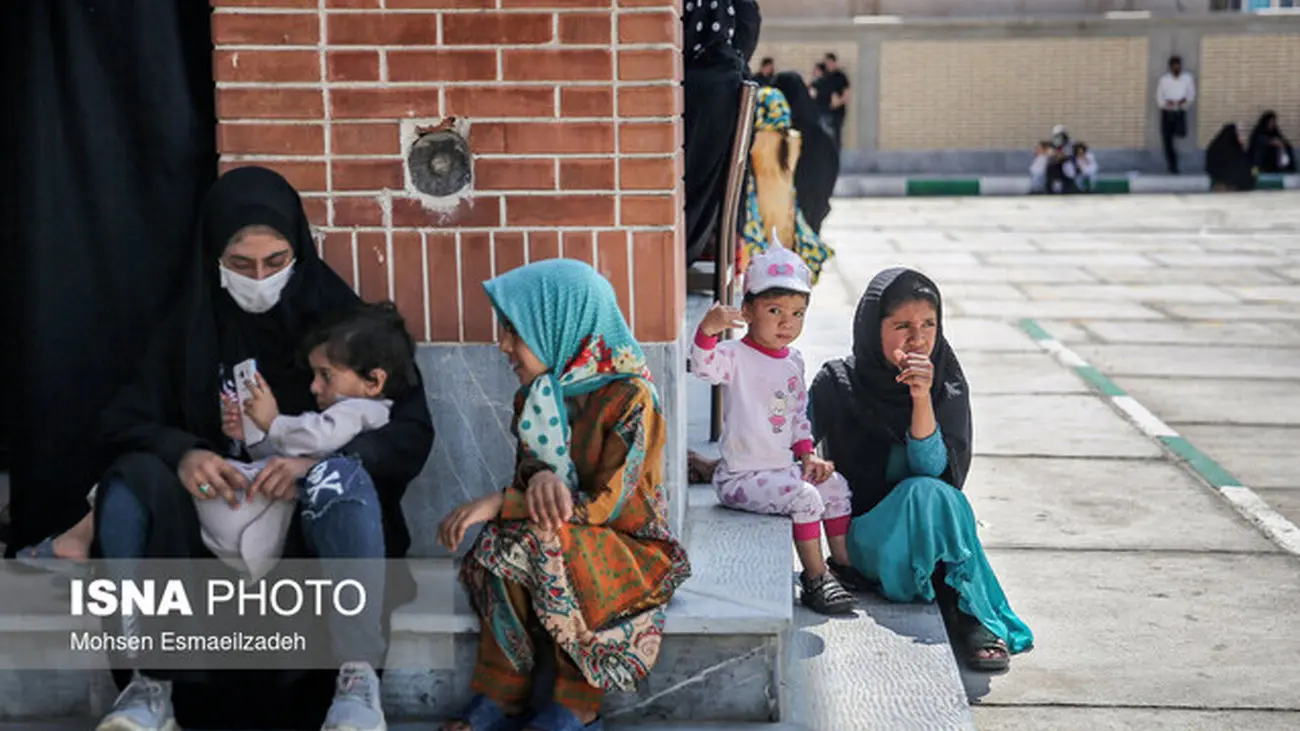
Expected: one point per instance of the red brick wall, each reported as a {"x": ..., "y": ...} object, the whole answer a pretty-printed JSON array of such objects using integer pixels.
[{"x": 574, "y": 109}]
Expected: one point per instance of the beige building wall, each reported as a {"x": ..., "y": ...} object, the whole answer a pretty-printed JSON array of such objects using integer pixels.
[
  {"x": 1243, "y": 75},
  {"x": 802, "y": 57},
  {"x": 1008, "y": 94}
]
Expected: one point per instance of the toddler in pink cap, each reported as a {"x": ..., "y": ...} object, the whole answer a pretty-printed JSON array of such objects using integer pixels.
[{"x": 768, "y": 460}]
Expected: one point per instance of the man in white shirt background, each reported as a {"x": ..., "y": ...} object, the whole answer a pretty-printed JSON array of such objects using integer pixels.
[{"x": 1174, "y": 95}]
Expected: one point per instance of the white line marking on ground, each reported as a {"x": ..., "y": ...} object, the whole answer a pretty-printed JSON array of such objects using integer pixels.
[
  {"x": 1252, "y": 507},
  {"x": 1146, "y": 421},
  {"x": 1274, "y": 525}
]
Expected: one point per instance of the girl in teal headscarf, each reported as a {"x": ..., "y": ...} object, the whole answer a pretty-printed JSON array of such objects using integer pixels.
[{"x": 579, "y": 542}]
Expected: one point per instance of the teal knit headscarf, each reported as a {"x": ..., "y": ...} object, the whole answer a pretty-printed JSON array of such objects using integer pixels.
[{"x": 568, "y": 315}]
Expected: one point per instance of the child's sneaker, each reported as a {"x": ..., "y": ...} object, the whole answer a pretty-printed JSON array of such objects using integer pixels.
[
  {"x": 144, "y": 705},
  {"x": 824, "y": 595},
  {"x": 356, "y": 705},
  {"x": 849, "y": 577}
]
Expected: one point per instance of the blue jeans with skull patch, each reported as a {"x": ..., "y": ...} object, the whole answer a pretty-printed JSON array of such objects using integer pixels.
[{"x": 341, "y": 520}]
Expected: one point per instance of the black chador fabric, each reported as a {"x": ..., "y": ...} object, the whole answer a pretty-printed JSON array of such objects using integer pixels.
[
  {"x": 719, "y": 38},
  {"x": 106, "y": 148},
  {"x": 173, "y": 405},
  {"x": 1264, "y": 154},
  {"x": 859, "y": 412},
  {"x": 1226, "y": 161},
  {"x": 819, "y": 157}
]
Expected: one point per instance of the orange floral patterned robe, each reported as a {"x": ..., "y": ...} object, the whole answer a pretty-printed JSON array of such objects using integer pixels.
[{"x": 599, "y": 586}]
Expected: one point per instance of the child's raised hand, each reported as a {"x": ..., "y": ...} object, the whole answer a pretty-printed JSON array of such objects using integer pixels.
[
  {"x": 261, "y": 406},
  {"x": 721, "y": 318},
  {"x": 232, "y": 424}
]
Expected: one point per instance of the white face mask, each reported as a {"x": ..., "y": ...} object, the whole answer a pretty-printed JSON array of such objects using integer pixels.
[{"x": 255, "y": 295}]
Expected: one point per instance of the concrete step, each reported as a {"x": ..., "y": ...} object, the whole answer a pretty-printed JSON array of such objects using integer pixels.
[
  {"x": 721, "y": 658},
  {"x": 85, "y": 725},
  {"x": 883, "y": 186}
]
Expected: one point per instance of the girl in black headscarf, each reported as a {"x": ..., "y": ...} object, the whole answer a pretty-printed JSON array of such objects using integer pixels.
[
  {"x": 1227, "y": 163},
  {"x": 895, "y": 420},
  {"x": 819, "y": 158},
  {"x": 258, "y": 286},
  {"x": 1270, "y": 151}
]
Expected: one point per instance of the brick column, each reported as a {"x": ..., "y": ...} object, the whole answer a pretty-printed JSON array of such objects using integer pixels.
[{"x": 573, "y": 114}]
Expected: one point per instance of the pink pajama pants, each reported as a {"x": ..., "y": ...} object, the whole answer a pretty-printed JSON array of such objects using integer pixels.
[{"x": 784, "y": 492}]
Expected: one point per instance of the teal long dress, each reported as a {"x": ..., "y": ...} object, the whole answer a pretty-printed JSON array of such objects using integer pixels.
[{"x": 923, "y": 522}]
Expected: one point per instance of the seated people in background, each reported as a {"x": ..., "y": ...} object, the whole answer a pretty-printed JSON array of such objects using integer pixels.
[
  {"x": 1270, "y": 151},
  {"x": 1227, "y": 162},
  {"x": 1083, "y": 165},
  {"x": 1061, "y": 139},
  {"x": 766, "y": 72},
  {"x": 1038, "y": 168}
]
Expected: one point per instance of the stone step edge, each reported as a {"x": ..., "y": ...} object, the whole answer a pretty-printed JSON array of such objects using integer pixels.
[
  {"x": 79, "y": 724},
  {"x": 873, "y": 186}
]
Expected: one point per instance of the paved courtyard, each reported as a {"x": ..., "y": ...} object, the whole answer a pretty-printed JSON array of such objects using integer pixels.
[{"x": 1155, "y": 603}]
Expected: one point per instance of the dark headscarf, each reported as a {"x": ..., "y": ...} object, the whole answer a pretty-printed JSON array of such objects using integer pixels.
[
  {"x": 859, "y": 412},
  {"x": 212, "y": 334},
  {"x": 722, "y": 33},
  {"x": 1262, "y": 126},
  {"x": 256, "y": 196}
]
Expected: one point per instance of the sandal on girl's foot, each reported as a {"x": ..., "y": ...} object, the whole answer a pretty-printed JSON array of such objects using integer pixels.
[
  {"x": 978, "y": 639},
  {"x": 824, "y": 595},
  {"x": 483, "y": 714},
  {"x": 41, "y": 557},
  {"x": 555, "y": 717},
  {"x": 849, "y": 577}
]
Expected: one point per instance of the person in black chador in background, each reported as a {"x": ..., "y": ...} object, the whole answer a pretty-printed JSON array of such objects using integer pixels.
[
  {"x": 719, "y": 39},
  {"x": 1227, "y": 163},
  {"x": 107, "y": 156},
  {"x": 1270, "y": 151}
]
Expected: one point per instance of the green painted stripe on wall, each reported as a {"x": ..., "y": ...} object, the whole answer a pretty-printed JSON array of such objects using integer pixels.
[
  {"x": 1270, "y": 182},
  {"x": 1207, "y": 468},
  {"x": 1111, "y": 186},
  {"x": 923, "y": 187}
]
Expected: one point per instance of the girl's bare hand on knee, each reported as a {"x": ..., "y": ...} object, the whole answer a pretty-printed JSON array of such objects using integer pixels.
[
  {"x": 453, "y": 528},
  {"x": 550, "y": 502}
]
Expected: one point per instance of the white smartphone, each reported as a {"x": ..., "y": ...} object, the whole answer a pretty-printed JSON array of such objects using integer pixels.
[{"x": 244, "y": 374}]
